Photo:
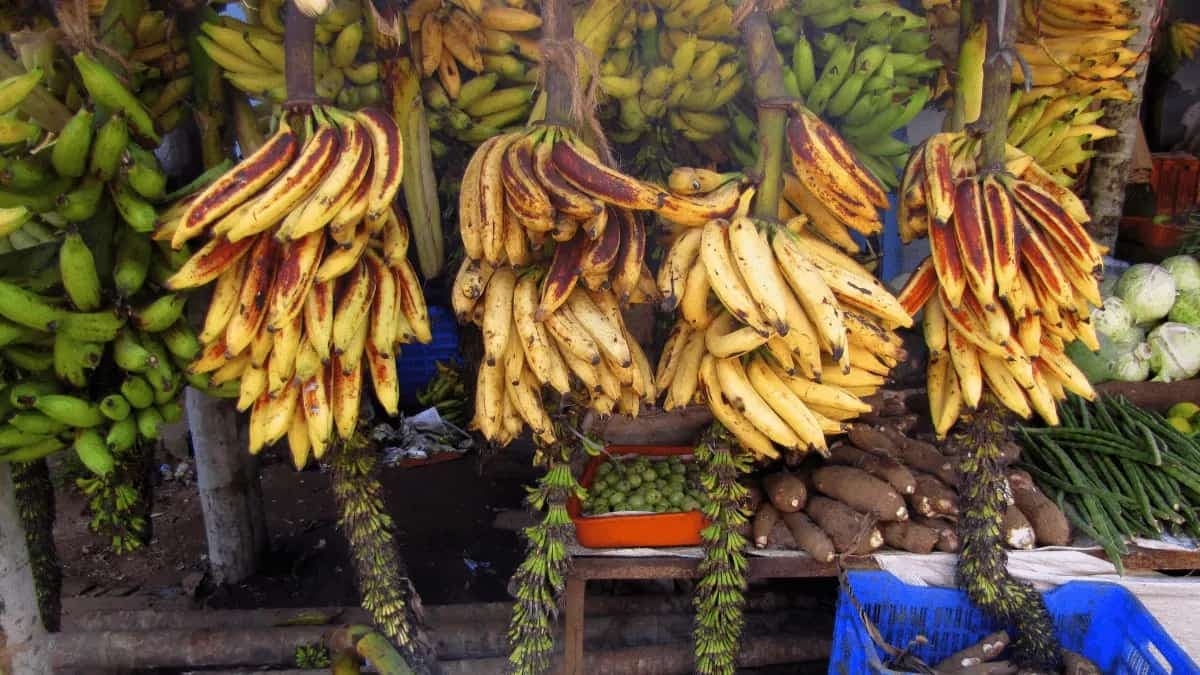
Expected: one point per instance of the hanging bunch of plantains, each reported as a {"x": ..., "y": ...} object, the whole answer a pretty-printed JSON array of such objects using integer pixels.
[
  {"x": 313, "y": 294},
  {"x": 1011, "y": 272},
  {"x": 719, "y": 599}
]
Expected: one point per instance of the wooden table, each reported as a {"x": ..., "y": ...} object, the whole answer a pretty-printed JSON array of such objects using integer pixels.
[
  {"x": 628, "y": 568},
  {"x": 585, "y": 568}
]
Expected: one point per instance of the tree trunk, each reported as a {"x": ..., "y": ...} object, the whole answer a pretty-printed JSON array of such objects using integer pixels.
[
  {"x": 20, "y": 618},
  {"x": 1110, "y": 167},
  {"x": 230, "y": 495}
]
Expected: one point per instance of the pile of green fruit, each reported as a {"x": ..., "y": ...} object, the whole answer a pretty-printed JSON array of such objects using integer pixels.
[
  {"x": 1185, "y": 417},
  {"x": 643, "y": 485}
]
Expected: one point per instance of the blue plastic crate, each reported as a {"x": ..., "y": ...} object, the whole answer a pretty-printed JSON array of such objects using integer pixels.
[
  {"x": 1102, "y": 621},
  {"x": 415, "y": 367}
]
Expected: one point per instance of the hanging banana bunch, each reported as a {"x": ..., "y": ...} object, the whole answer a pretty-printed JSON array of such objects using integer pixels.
[
  {"x": 479, "y": 63},
  {"x": 673, "y": 65},
  {"x": 313, "y": 291},
  {"x": 1077, "y": 48},
  {"x": 1008, "y": 283},
  {"x": 93, "y": 344},
  {"x": 780, "y": 332},
  {"x": 554, "y": 249},
  {"x": 252, "y": 57},
  {"x": 1057, "y": 131},
  {"x": 860, "y": 67}
]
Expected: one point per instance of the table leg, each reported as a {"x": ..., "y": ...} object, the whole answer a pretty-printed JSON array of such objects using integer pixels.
[{"x": 573, "y": 628}]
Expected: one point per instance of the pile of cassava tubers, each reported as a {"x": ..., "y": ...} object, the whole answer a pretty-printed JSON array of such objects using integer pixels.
[{"x": 881, "y": 487}]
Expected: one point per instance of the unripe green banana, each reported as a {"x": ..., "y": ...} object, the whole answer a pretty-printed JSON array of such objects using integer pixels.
[
  {"x": 93, "y": 452},
  {"x": 24, "y": 394},
  {"x": 122, "y": 435},
  {"x": 159, "y": 314},
  {"x": 132, "y": 262},
  {"x": 78, "y": 270},
  {"x": 181, "y": 340},
  {"x": 70, "y": 410},
  {"x": 70, "y": 152},
  {"x": 31, "y": 359},
  {"x": 476, "y": 88},
  {"x": 13, "y": 90},
  {"x": 148, "y": 422},
  {"x": 803, "y": 65},
  {"x": 115, "y": 407},
  {"x": 82, "y": 203},
  {"x": 101, "y": 326},
  {"x": 34, "y": 451},
  {"x": 162, "y": 376},
  {"x": 12, "y": 437},
  {"x": 109, "y": 147},
  {"x": 105, "y": 88},
  {"x": 137, "y": 212},
  {"x": 345, "y": 46},
  {"x": 846, "y": 94},
  {"x": 912, "y": 41},
  {"x": 835, "y": 71},
  {"x": 137, "y": 391},
  {"x": 23, "y": 173},
  {"x": 34, "y": 422},
  {"x": 165, "y": 394},
  {"x": 144, "y": 174},
  {"x": 130, "y": 355},
  {"x": 171, "y": 411},
  {"x": 70, "y": 363},
  {"x": 790, "y": 84},
  {"x": 11, "y": 333}
]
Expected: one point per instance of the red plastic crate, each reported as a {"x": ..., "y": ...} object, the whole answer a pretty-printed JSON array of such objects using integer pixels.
[
  {"x": 656, "y": 529},
  {"x": 1175, "y": 179}
]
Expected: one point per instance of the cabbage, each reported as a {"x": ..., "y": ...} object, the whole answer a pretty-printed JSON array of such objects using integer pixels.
[
  {"x": 1131, "y": 364},
  {"x": 1148, "y": 291},
  {"x": 1174, "y": 351},
  {"x": 1134, "y": 334},
  {"x": 1186, "y": 308},
  {"x": 1111, "y": 318},
  {"x": 1092, "y": 364},
  {"x": 1185, "y": 270}
]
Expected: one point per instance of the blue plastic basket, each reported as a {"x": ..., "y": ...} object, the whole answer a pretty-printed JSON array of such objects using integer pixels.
[
  {"x": 1102, "y": 621},
  {"x": 415, "y": 367}
]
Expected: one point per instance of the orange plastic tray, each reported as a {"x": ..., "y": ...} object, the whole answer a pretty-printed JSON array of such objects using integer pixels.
[{"x": 654, "y": 529}]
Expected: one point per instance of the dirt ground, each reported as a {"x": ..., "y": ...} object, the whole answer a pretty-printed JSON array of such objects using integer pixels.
[{"x": 444, "y": 514}]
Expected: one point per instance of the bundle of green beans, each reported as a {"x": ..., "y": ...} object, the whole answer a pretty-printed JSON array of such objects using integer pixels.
[{"x": 1117, "y": 471}]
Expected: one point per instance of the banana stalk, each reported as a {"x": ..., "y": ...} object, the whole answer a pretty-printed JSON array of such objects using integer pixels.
[
  {"x": 719, "y": 599},
  {"x": 983, "y": 560},
  {"x": 766, "y": 69},
  {"x": 383, "y": 582},
  {"x": 541, "y": 577}
]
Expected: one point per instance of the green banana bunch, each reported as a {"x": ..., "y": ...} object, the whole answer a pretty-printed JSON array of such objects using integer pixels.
[
  {"x": 448, "y": 393},
  {"x": 866, "y": 73},
  {"x": 1057, "y": 131},
  {"x": 678, "y": 68}
]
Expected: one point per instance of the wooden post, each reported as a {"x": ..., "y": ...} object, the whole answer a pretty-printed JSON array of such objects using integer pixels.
[
  {"x": 20, "y": 619},
  {"x": 230, "y": 495},
  {"x": 1110, "y": 167}
]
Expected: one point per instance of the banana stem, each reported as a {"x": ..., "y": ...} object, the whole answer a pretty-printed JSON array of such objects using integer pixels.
[
  {"x": 766, "y": 72},
  {"x": 299, "y": 37},
  {"x": 561, "y": 75},
  {"x": 997, "y": 79}
]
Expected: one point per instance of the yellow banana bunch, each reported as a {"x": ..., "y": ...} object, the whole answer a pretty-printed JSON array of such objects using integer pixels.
[
  {"x": 1184, "y": 39},
  {"x": 479, "y": 62},
  {"x": 555, "y": 249},
  {"x": 251, "y": 56},
  {"x": 313, "y": 291},
  {"x": 780, "y": 333},
  {"x": 1008, "y": 283},
  {"x": 1057, "y": 132},
  {"x": 1077, "y": 46}
]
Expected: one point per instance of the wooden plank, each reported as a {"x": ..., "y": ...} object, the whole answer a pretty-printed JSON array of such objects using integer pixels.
[
  {"x": 1153, "y": 395},
  {"x": 573, "y": 626}
]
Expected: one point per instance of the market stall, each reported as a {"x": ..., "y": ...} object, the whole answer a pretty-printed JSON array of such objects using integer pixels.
[{"x": 768, "y": 290}]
